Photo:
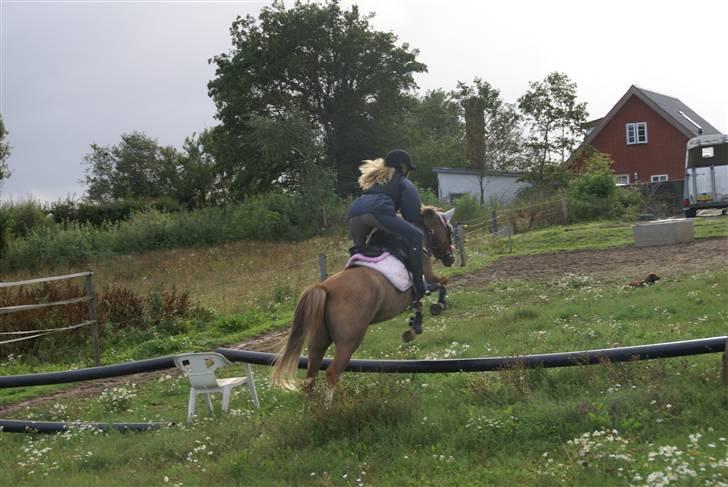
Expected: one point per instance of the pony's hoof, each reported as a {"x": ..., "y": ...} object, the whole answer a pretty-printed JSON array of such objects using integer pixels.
[
  {"x": 409, "y": 335},
  {"x": 437, "y": 308}
]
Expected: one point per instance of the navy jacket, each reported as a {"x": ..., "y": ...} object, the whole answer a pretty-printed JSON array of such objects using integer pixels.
[{"x": 397, "y": 194}]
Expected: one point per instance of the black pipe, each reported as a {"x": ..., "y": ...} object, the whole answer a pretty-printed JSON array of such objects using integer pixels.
[
  {"x": 17, "y": 426},
  {"x": 90, "y": 373},
  {"x": 547, "y": 360},
  {"x": 564, "y": 359}
]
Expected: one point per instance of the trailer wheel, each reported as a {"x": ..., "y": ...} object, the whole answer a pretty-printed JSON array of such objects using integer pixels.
[{"x": 690, "y": 213}]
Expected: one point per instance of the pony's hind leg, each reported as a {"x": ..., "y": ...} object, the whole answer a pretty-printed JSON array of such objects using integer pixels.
[
  {"x": 344, "y": 351},
  {"x": 316, "y": 350}
]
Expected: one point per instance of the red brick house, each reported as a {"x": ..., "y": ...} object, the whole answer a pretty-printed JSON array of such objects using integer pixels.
[{"x": 645, "y": 133}]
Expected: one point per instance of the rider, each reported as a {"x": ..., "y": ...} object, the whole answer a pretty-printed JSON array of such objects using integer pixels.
[{"x": 387, "y": 190}]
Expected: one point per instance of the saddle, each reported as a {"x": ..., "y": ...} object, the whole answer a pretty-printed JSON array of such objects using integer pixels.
[
  {"x": 386, "y": 255},
  {"x": 381, "y": 242}
]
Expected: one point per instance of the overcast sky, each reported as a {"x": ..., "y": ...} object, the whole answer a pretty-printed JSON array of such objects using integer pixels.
[{"x": 73, "y": 73}]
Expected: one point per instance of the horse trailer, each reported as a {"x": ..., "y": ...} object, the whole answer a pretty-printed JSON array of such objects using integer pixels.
[{"x": 706, "y": 174}]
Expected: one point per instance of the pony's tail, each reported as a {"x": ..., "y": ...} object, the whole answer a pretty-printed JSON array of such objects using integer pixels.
[{"x": 308, "y": 317}]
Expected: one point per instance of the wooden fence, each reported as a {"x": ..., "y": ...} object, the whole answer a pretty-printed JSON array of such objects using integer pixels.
[{"x": 88, "y": 298}]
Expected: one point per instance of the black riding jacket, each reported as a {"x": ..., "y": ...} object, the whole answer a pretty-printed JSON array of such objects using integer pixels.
[{"x": 397, "y": 194}]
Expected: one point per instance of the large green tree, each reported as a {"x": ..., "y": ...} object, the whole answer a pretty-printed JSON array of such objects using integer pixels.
[
  {"x": 327, "y": 66},
  {"x": 554, "y": 117},
  {"x": 136, "y": 168},
  {"x": 196, "y": 182},
  {"x": 433, "y": 134}
]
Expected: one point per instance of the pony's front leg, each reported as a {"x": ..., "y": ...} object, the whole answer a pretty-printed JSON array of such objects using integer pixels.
[
  {"x": 430, "y": 277},
  {"x": 435, "y": 283},
  {"x": 441, "y": 304}
]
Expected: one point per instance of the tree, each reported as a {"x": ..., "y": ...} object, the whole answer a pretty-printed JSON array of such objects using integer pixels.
[
  {"x": 136, "y": 168},
  {"x": 4, "y": 174},
  {"x": 197, "y": 180},
  {"x": 433, "y": 135},
  {"x": 504, "y": 139},
  {"x": 328, "y": 65},
  {"x": 4, "y": 152},
  {"x": 554, "y": 117},
  {"x": 492, "y": 132}
]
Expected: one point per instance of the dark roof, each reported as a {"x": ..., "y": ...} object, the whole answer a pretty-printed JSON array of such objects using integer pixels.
[
  {"x": 671, "y": 109},
  {"x": 591, "y": 123},
  {"x": 475, "y": 172},
  {"x": 681, "y": 112}
]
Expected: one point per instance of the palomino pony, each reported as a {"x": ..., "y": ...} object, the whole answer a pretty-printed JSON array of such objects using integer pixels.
[{"x": 340, "y": 309}]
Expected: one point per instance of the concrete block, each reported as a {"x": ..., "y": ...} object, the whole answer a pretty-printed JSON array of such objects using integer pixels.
[{"x": 663, "y": 232}]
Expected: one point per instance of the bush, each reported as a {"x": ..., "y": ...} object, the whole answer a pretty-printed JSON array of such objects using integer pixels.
[
  {"x": 535, "y": 208},
  {"x": 111, "y": 212},
  {"x": 467, "y": 209},
  {"x": 427, "y": 196},
  {"x": 270, "y": 217},
  {"x": 593, "y": 194},
  {"x": 24, "y": 217}
]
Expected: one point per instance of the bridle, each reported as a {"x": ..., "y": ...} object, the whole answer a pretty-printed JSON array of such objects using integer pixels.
[{"x": 443, "y": 248}]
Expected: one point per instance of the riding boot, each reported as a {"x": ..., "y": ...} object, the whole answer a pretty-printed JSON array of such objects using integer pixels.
[{"x": 419, "y": 288}]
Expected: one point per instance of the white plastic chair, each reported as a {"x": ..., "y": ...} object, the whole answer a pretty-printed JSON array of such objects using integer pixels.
[{"x": 200, "y": 368}]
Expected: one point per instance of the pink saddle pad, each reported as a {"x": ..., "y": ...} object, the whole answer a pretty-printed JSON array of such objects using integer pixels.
[{"x": 388, "y": 265}]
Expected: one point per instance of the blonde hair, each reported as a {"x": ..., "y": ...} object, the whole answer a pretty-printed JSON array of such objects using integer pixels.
[{"x": 374, "y": 172}]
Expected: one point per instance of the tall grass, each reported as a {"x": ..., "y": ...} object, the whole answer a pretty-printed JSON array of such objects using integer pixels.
[{"x": 274, "y": 217}]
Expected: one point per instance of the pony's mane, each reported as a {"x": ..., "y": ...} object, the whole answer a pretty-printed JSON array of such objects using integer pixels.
[
  {"x": 374, "y": 172},
  {"x": 428, "y": 210}
]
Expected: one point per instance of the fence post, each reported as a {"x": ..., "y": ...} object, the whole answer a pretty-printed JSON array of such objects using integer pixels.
[
  {"x": 460, "y": 240},
  {"x": 92, "y": 317},
  {"x": 725, "y": 363},
  {"x": 564, "y": 210},
  {"x": 322, "y": 267},
  {"x": 509, "y": 233},
  {"x": 494, "y": 223}
]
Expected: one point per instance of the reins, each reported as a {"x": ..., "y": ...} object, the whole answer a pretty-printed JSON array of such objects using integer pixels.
[{"x": 432, "y": 248}]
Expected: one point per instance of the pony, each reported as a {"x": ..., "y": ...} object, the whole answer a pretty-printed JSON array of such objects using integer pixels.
[{"x": 341, "y": 308}]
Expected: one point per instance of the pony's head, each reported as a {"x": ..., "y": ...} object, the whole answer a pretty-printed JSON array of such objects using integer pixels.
[{"x": 439, "y": 233}]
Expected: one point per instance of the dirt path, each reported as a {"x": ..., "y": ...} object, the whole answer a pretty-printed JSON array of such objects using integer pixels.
[
  {"x": 620, "y": 264},
  {"x": 616, "y": 264}
]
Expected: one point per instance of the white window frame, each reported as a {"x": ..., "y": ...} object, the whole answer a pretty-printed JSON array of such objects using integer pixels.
[
  {"x": 632, "y": 131},
  {"x": 658, "y": 178},
  {"x": 621, "y": 179}
]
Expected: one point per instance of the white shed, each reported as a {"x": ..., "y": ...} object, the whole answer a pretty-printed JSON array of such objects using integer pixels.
[{"x": 499, "y": 186}]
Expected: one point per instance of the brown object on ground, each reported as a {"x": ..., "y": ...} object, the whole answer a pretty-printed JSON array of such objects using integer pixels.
[{"x": 650, "y": 278}]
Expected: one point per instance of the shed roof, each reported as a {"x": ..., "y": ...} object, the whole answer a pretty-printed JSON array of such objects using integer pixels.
[{"x": 475, "y": 172}]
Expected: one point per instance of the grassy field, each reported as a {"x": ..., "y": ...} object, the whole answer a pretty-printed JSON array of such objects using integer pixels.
[{"x": 644, "y": 423}]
